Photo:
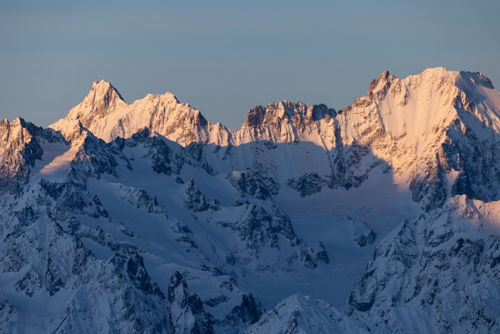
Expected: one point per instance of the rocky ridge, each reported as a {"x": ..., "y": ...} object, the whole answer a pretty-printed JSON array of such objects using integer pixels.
[{"x": 124, "y": 206}]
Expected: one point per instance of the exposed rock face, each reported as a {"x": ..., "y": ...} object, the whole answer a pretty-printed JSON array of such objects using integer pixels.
[
  {"x": 427, "y": 127},
  {"x": 284, "y": 121},
  {"x": 135, "y": 304},
  {"x": 433, "y": 272},
  {"x": 265, "y": 230},
  {"x": 19, "y": 149},
  {"x": 187, "y": 315},
  {"x": 254, "y": 185},
  {"x": 49, "y": 259},
  {"x": 107, "y": 115},
  {"x": 307, "y": 184},
  {"x": 243, "y": 315},
  {"x": 363, "y": 235},
  {"x": 116, "y": 199},
  {"x": 141, "y": 199},
  {"x": 196, "y": 201}
]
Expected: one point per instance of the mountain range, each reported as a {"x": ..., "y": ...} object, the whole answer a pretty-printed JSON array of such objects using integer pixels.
[{"x": 143, "y": 217}]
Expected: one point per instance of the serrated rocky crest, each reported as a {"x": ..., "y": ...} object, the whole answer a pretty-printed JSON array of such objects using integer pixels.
[{"x": 144, "y": 217}]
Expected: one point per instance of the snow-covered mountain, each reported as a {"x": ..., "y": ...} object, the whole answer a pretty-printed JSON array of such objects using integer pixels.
[{"x": 143, "y": 217}]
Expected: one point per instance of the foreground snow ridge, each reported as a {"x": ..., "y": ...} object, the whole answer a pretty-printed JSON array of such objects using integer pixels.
[{"x": 143, "y": 217}]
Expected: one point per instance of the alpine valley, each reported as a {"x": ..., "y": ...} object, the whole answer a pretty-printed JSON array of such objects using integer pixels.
[{"x": 143, "y": 217}]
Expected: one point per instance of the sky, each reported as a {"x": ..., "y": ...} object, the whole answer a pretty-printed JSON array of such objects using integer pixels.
[{"x": 224, "y": 57}]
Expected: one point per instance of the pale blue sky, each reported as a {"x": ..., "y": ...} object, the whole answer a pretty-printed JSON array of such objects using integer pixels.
[{"x": 224, "y": 57}]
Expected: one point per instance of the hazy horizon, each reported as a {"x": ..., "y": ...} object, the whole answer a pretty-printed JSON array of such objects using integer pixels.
[{"x": 224, "y": 58}]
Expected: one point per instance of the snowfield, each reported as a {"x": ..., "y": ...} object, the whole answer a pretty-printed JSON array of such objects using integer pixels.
[{"x": 143, "y": 217}]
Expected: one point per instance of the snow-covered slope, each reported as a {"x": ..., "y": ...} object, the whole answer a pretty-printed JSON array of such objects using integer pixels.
[
  {"x": 301, "y": 314},
  {"x": 428, "y": 128},
  {"x": 438, "y": 273},
  {"x": 144, "y": 217},
  {"x": 104, "y": 112},
  {"x": 438, "y": 130}
]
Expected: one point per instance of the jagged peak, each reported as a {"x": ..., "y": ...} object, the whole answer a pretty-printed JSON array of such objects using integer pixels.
[
  {"x": 167, "y": 96},
  {"x": 170, "y": 98},
  {"x": 18, "y": 121},
  {"x": 382, "y": 82},
  {"x": 386, "y": 78},
  {"x": 475, "y": 78},
  {"x": 101, "y": 99},
  {"x": 26, "y": 131},
  {"x": 108, "y": 116},
  {"x": 19, "y": 127},
  {"x": 433, "y": 78},
  {"x": 102, "y": 89},
  {"x": 284, "y": 109}
]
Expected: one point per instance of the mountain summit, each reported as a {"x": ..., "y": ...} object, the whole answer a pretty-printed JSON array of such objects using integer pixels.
[
  {"x": 399, "y": 103},
  {"x": 424, "y": 126},
  {"x": 101, "y": 101},
  {"x": 104, "y": 112},
  {"x": 143, "y": 217}
]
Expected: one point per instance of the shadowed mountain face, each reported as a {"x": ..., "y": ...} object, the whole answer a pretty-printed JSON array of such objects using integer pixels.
[{"x": 114, "y": 201}]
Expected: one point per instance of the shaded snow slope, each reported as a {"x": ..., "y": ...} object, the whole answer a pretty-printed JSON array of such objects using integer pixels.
[
  {"x": 302, "y": 314},
  {"x": 438, "y": 273},
  {"x": 144, "y": 217}
]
